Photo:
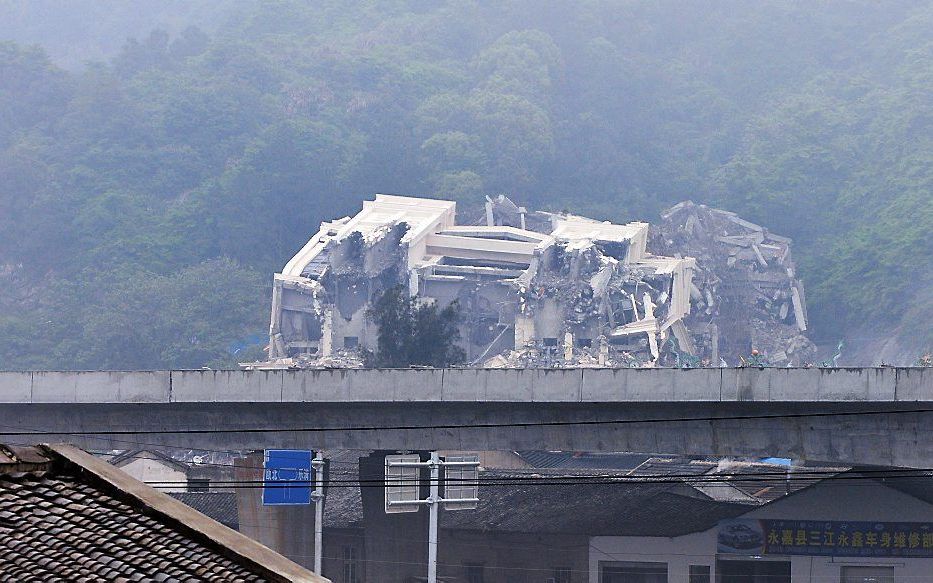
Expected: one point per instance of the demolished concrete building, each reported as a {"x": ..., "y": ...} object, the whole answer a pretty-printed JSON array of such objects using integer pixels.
[{"x": 535, "y": 288}]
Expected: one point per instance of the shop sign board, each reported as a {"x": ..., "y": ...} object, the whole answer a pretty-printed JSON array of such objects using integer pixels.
[{"x": 825, "y": 538}]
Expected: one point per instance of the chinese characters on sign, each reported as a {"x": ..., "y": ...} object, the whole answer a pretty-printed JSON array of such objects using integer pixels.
[
  {"x": 829, "y": 538},
  {"x": 287, "y": 477}
]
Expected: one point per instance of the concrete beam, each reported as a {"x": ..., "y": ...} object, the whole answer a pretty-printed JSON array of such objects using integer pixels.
[{"x": 878, "y": 416}]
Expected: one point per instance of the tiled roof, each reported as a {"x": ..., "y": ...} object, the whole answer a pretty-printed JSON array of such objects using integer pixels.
[
  {"x": 72, "y": 517},
  {"x": 569, "y": 459},
  {"x": 589, "y": 507},
  {"x": 672, "y": 466},
  {"x": 761, "y": 481},
  {"x": 768, "y": 482},
  {"x": 632, "y": 508},
  {"x": 919, "y": 484},
  {"x": 343, "y": 507},
  {"x": 221, "y": 506}
]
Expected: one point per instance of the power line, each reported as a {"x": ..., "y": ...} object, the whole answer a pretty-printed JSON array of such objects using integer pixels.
[
  {"x": 776, "y": 473},
  {"x": 789, "y": 474},
  {"x": 836, "y": 479},
  {"x": 763, "y": 474},
  {"x": 783, "y": 475},
  {"x": 352, "y": 428},
  {"x": 607, "y": 473}
]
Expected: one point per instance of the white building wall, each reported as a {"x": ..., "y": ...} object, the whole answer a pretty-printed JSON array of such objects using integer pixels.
[
  {"x": 855, "y": 501},
  {"x": 150, "y": 470},
  {"x": 679, "y": 553}
]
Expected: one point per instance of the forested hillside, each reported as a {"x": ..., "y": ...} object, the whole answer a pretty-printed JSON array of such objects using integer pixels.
[{"x": 147, "y": 197}]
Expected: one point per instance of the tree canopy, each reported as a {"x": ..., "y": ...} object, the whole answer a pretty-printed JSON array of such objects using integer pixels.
[
  {"x": 413, "y": 332},
  {"x": 150, "y": 187}
]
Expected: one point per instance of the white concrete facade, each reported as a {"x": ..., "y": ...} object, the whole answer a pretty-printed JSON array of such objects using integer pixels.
[{"x": 852, "y": 501}]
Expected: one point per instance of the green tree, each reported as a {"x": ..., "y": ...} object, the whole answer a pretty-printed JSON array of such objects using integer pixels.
[{"x": 412, "y": 332}]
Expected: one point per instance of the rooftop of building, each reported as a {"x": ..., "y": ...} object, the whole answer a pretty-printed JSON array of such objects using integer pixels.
[
  {"x": 583, "y": 501},
  {"x": 220, "y": 506},
  {"x": 66, "y": 515}
]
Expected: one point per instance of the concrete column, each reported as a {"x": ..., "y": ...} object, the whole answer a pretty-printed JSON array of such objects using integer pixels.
[
  {"x": 327, "y": 333},
  {"x": 396, "y": 547},
  {"x": 288, "y": 530},
  {"x": 524, "y": 330}
]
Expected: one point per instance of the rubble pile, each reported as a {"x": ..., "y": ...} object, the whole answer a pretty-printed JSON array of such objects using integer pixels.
[
  {"x": 745, "y": 295},
  {"x": 338, "y": 359},
  {"x": 535, "y": 357}
]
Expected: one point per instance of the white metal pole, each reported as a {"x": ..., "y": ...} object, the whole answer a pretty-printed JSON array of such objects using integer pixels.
[
  {"x": 434, "y": 507},
  {"x": 318, "y": 512}
]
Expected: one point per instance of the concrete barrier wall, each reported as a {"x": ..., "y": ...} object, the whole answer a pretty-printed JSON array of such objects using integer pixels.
[{"x": 471, "y": 385}]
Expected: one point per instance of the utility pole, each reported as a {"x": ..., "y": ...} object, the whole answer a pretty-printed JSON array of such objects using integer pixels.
[
  {"x": 433, "y": 502},
  {"x": 318, "y": 498},
  {"x": 286, "y": 481}
]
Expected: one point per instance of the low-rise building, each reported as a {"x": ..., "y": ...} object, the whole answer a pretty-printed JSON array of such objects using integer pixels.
[
  {"x": 655, "y": 520},
  {"x": 175, "y": 472},
  {"x": 873, "y": 527},
  {"x": 66, "y": 515}
]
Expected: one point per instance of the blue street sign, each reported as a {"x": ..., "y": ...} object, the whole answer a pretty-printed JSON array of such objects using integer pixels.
[{"x": 287, "y": 477}]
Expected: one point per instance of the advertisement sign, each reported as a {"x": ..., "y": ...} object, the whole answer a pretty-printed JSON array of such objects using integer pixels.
[{"x": 825, "y": 538}]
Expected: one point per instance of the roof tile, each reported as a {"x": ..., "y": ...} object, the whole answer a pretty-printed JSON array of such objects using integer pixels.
[{"x": 54, "y": 526}]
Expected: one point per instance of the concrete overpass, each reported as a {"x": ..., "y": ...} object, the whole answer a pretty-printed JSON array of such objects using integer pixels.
[{"x": 856, "y": 416}]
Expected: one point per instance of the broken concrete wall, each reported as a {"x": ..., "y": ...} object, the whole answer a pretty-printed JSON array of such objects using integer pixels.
[
  {"x": 487, "y": 311},
  {"x": 325, "y": 310},
  {"x": 586, "y": 305}
]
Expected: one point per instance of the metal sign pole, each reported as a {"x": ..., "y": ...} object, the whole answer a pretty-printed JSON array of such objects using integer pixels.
[
  {"x": 401, "y": 491},
  {"x": 318, "y": 497},
  {"x": 434, "y": 501}
]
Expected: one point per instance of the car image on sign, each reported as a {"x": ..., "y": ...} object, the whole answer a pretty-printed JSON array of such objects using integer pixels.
[{"x": 739, "y": 536}]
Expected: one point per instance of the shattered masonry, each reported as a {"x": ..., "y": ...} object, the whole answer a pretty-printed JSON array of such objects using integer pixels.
[{"x": 544, "y": 289}]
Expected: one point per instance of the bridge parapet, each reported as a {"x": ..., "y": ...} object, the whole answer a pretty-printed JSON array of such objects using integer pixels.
[{"x": 885, "y": 384}]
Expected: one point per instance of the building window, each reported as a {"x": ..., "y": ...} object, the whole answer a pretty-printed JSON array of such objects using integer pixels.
[
  {"x": 351, "y": 342},
  {"x": 753, "y": 571},
  {"x": 562, "y": 575},
  {"x": 351, "y": 565},
  {"x": 550, "y": 342},
  {"x": 868, "y": 575},
  {"x": 699, "y": 574},
  {"x": 199, "y": 485},
  {"x": 630, "y": 572},
  {"x": 584, "y": 342},
  {"x": 474, "y": 573}
]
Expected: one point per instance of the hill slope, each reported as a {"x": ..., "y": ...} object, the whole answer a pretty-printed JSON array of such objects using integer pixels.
[{"x": 145, "y": 201}]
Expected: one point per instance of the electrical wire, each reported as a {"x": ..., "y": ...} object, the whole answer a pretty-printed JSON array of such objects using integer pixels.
[
  {"x": 610, "y": 474},
  {"x": 837, "y": 479},
  {"x": 351, "y": 428}
]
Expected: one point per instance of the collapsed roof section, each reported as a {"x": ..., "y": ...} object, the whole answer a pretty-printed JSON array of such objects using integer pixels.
[{"x": 537, "y": 289}]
